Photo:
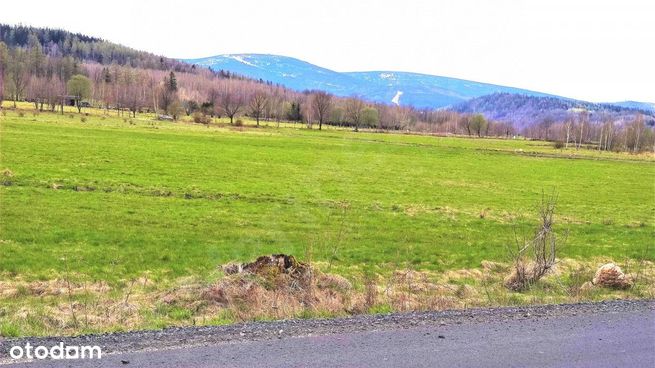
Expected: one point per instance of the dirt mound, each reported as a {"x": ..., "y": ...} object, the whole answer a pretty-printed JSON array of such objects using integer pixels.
[
  {"x": 278, "y": 286},
  {"x": 270, "y": 266}
]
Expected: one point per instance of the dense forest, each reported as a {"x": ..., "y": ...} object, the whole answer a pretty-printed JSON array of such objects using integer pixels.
[
  {"x": 51, "y": 68},
  {"x": 60, "y": 43}
]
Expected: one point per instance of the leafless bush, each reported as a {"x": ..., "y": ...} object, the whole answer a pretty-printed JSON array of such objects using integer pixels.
[
  {"x": 533, "y": 258},
  {"x": 200, "y": 118}
]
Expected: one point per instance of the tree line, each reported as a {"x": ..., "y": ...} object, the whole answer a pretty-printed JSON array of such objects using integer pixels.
[{"x": 578, "y": 131}]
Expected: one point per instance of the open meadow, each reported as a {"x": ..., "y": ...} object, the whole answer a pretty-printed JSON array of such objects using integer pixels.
[{"x": 117, "y": 210}]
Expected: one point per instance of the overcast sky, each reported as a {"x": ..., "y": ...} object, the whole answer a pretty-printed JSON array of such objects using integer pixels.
[{"x": 592, "y": 50}]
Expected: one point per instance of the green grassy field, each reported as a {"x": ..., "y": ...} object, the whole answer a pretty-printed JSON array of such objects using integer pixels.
[{"x": 114, "y": 200}]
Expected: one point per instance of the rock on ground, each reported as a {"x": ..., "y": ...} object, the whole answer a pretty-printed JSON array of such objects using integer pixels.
[{"x": 610, "y": 275}]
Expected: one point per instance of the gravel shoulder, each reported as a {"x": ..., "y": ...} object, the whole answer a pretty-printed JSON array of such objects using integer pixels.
[{"x": 554, "y": 323}]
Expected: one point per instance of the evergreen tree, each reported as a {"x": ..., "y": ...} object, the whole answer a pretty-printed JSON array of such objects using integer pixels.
[{"x": 172, "y": 83}]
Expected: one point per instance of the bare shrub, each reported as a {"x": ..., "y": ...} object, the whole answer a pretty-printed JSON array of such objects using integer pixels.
[
  {"x": 238, "y": 122},
  {"x": 200, "y": 118},
  {"x": 533, "y": 258},
  {"x": 21, "y": 114},
  {"x": 83, "y": 119}
]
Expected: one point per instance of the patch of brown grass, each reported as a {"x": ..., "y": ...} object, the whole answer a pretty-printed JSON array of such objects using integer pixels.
[
  {"x": 265, "y": 290},
  {"x": 62, "y": 306}
]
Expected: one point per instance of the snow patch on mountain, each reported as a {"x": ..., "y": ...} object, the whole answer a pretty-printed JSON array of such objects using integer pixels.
[
  {"x": 396, "y": 98},
  {"x": 240, "y": 59}
]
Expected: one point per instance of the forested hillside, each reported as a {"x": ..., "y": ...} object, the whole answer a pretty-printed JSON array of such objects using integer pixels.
[
  {"x": 60, "y": 43},
  {"x": 523, "y": 111}
]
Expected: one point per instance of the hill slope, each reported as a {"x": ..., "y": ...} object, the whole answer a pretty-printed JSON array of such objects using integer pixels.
[
  {"x": 521, "y": 110},
  {"x": 58, "y": 42},
  {"x": 646, "y": 106},
  {"x": 418, "y": 90}
]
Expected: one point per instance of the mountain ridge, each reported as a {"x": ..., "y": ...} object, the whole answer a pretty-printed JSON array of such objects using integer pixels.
[
  {"x": 417, "y": 89},
  {"x": 520, "y": 107}
]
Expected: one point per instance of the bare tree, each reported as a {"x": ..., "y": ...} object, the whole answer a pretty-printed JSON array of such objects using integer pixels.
[
  {"x": 534, "y": 258},
  {"x": 230, "y": 104},
  {"x": 18, "y": 74},
  {"x": 322, "y": 104},
  {"x": 569, "y": 123},
  {"x": 135, "y": 95},
  {"x": 4, "y": 55},
  {"x": 258, "y": 104},
  {"x": 464, "y": 121},
  {"x": 2, "y": 84},
  {"x": 639, "y": 127},
  {"x": 584, "y": 119},
  {"x": 354, "y": 110}
]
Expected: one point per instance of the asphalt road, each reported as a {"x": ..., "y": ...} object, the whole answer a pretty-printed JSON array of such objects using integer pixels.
[{"x": 611, "y": 334}]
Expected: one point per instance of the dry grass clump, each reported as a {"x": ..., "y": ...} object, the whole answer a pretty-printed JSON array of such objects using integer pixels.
[
  {"x": 410, "y": 290},
  {"x": 7, "y": 173},
  {"x": 5, "y": 177},
  {"x": 51, "y": 288},
  {"x": 67, "y": 307},
  {"x": 278, "y": 286}
]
